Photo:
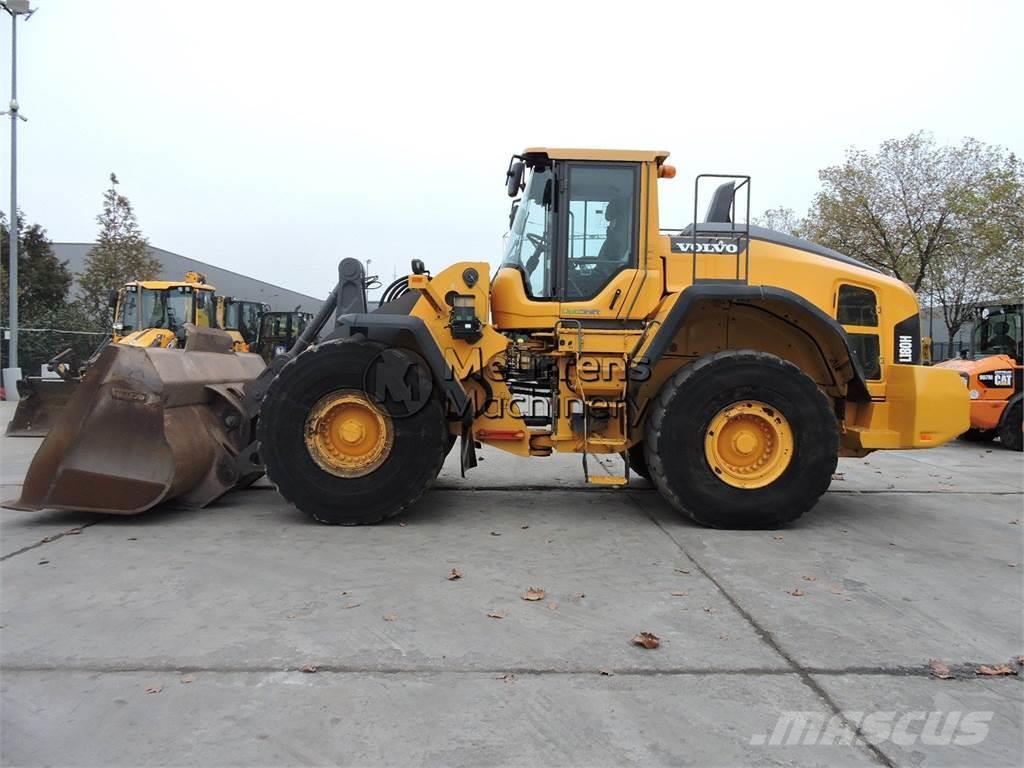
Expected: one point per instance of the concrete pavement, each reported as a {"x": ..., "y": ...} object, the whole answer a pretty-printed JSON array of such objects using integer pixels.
[{"x": 909, "y": 557}]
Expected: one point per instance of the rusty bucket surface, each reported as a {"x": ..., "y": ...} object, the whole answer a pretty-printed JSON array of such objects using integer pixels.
[
  {"x": 146, "y": 426},
  {"x": 40, "y": 402}
]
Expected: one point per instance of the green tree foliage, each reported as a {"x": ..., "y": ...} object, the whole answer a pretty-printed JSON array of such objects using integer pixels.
[
  {"x": 121, "y": 254},
  {"x": 944, "y": 219},
  {"x": 44, "y": 312},
  {"x": 43, "y": 281}
]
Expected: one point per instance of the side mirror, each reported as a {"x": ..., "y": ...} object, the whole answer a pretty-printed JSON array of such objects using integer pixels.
[
  {"x": 514, "y": 177},
  {"x": 112, "y": 299},
  {"x": 512, "y": 214},
  {"x": 417, "y": 267}
]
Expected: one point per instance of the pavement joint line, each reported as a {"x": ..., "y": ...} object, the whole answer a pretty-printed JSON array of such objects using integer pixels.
[
  {"x": 962, "y": 673},
  {"x": 768, "y": 639},
  {"x": 47, "y": 540}
]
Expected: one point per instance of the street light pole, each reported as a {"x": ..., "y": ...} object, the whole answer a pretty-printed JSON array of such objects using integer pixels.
[{"x": 16, "y": 8}]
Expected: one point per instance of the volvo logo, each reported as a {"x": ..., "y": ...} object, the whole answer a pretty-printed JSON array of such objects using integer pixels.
[{"x": 719, "y": 247}]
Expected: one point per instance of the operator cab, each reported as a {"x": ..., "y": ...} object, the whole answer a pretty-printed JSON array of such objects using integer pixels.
[
  {"x": 999, "y": 332},
  {"x": 576, "y": 234}
]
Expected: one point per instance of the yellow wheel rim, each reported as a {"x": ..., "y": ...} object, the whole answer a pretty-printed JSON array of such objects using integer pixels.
[
  {"x": 748, "y": 444},
  {"x": 347, "y": 435}
]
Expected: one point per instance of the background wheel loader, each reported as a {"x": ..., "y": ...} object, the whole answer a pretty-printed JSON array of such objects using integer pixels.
[
  {"x": 241, "y": 320},
  {"x": 730, "y": 364},
  {"x": 147, "y": 313},
  {"x": 995, "y": 378}
]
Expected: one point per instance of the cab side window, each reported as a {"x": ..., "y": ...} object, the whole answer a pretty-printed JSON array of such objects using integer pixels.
[
  {"x": 602, "y": 227},
  {"x": 858, "y": 307}
]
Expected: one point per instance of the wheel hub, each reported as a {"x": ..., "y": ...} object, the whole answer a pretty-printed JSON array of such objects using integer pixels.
[
  {"x": 748, "y": 444},
  {"x": 347, "y": 435}
]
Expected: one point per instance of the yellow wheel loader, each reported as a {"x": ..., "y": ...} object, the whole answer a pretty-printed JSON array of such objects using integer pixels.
[
  {"x": 147, "y": 313},
  {"x": 730, "y": 364},
  {"x": 241, "y": 319}
]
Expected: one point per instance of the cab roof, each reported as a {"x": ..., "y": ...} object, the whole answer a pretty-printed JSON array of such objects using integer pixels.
[{"x": 605, "y": 155}]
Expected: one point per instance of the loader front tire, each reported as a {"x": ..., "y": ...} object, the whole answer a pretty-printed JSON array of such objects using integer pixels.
[
  {"x": 741, "y": 439},
  {"x": 337, "y": 453}
]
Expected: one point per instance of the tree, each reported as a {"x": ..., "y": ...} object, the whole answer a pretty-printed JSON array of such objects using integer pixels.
[
  {"x": 911, "y": 204},
  {"x": 987, "y": 263},
  {"x": 780, "y": 219},
  {"x": 121, "y": 254},
  {"x": 43, "y": 281}
]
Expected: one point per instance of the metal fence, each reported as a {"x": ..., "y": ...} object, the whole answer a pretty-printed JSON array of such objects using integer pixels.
[{"x": 37, "y": 346}]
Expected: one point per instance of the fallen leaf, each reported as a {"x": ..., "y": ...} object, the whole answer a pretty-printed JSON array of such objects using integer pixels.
[
  {"x": 838, "y": 476},
  {"x": 496, "y": 614},
  {"x": 580, "y": 595},
  {"x": 533, "y": 594},
  {"x": 44, "y": 562},
  {"x": 996, "y": 671},
  {"x": 646, "y": 640},
  {"x": 351, "y": 605},
  {"x": 681, "y": 570},
  {"x": 455, "y": 574},
  {"x": 797, "y": 592},
  {"x": 810, "y": 578},
  {"x": 524, "y": 527},
  {"x": 939, "y": 670},
  {"x": 508, "y": 677},
  {"x": 188, "y": 678},
  {"x": 293, "y": 616},
  {"x": 709, "y": 609},
  {"x": 390, "y": 617},
  {"x": 723, "y": 636},
  {"x": 679, "y": 594},
  {"x": 605, "y": 672},
  {"x": 47, "y": 539},
  {"x": 778, "y": 537},
  {"x": 835, "y": 590},
  {"x": 154, "y": 688},
  {"x": 73, "y": 531},
  {"x": 552, "y": 606},
  {"x": 1012, "y": 565},
  {"x": 495, "y": 533},
  {"x": 342, "y": 594},
  {"x": 1015, "y": 522},
  {"x": 308, "y": 668},
  {"x": 402, "y": 524},
  {"x": 131, "y": 538}
]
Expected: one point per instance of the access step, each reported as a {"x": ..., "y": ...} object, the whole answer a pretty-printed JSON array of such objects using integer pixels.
[{"x": 607, "y": 479}]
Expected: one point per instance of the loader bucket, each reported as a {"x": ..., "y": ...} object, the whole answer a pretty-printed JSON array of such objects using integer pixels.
[
  {"x": 40, "y": 402},
  {"x": 145, "y": 426}
]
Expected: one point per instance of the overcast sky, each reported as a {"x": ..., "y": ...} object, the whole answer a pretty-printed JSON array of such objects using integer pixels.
[{"x": 275, "y": 138}]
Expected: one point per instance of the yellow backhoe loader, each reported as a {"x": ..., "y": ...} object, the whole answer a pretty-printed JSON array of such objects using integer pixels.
[
  {"x": 730, "y": 364},
  {"x": 147, "y": 313}
]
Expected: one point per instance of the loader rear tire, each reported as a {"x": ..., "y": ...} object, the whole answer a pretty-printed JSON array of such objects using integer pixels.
[
  {"x": 1011, "y": 434},
  {"x": 348, "y": 490},
  {"x": 771, "y": 410}
]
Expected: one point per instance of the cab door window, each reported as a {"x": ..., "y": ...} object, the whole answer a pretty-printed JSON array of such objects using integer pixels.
[
  {"x": 601, "y": 226},
  {"x": 529, "y": 244}
]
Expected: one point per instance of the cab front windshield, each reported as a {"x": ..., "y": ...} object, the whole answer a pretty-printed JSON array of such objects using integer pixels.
[
  {"x": 527, "y": 246},
  {"x": 167, "y": 308},
  {"x": 999, "y": 332}
]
